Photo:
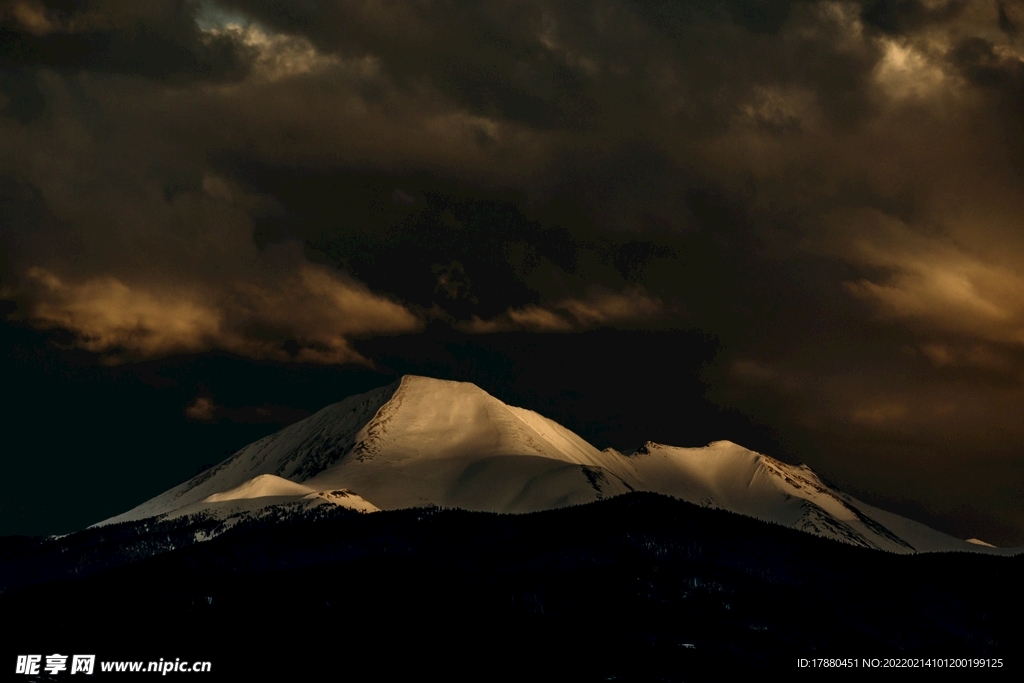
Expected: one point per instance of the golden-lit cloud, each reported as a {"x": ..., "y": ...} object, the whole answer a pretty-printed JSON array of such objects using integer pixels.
[
  {"x": 908, "y": 71},
  {"x": 108, "y": 314},
  {"x": 948, "y": 355},
  {"x": 931, "y": 280},
  {"x": 307, "y": 316},
  {"x": 281, "y": 56},
  {"x": 756, "y": 372},
  {"x": 599, "y": 309},
  {"x": 32, "y": 16}
]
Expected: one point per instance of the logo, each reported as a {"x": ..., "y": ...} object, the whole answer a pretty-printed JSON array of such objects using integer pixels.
[{"x": 55, "y": 663}]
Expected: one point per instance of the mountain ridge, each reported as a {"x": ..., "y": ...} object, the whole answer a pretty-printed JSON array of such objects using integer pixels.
[{"x": 422, "y": 441}]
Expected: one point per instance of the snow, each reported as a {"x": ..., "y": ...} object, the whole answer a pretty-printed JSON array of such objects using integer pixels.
[
  {"x": 423, "y": 441},
  {"x": 453, "y": 445},
  {"x": 346, "y": 499},
  {"x": 290, "y": 454},
  {"x": 261, "y": 486},
  {"x": 727, "y": 476}
]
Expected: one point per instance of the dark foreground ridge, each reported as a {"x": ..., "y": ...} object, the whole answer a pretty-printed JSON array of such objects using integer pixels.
[{"x": 638, "y": 587}]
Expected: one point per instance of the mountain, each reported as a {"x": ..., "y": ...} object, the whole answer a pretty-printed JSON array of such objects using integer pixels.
[
  {"x": 421, "y": 441},
  {"x": 270, "y": 555}
]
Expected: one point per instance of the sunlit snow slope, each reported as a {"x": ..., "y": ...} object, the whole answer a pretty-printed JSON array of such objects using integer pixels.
[{"x": 423, "y": 441}]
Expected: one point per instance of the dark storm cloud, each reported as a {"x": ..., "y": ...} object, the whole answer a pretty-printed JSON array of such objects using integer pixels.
[
  {"x": 833, "y": 189},
  {"x": 1008, "y": 26},
  {"x": 982, "y": 62},
  {"x": 158, "y": 39},
  {"x": 145, "y": 250},
  {"x": 906, "y": 16},
  {"x": 584, "y": 66},
  {"x": 596, "y": 122}
]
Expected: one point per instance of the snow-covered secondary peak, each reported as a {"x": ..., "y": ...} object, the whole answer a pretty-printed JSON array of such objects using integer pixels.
[
  {"x": 260, "y": 486},
  {"x": 422, "y": 441},
  {"x": 728, "y": 476},
  {"x": 293, "y": 454}
]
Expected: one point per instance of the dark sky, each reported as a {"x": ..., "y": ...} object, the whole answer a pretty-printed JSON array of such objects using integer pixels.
[{"x": 796, "y": 225}]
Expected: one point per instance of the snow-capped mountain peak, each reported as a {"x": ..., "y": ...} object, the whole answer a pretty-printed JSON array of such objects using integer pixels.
[{"x": 423, "y": 441}]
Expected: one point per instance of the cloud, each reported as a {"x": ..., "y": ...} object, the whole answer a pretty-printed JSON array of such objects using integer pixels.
[
  {"x": 609, "y": 124},
  {"x": 905, "y": 71},
  {"x": 306, "y": 316},
  {"x": 879, "y": 413},
  {"x": 755, "y": 372},
  {"x": 278, "y": 56},
  {"x": 948, "y": 355},
  {"x": 202, "y": 409},
  {"x": 157, "y": 39},
  {"x": 107, "y": 314},
  {"x": 904, "y": 16},
  {"x": 602, "y": 308},
  {"x": 931, "y": 280}
]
